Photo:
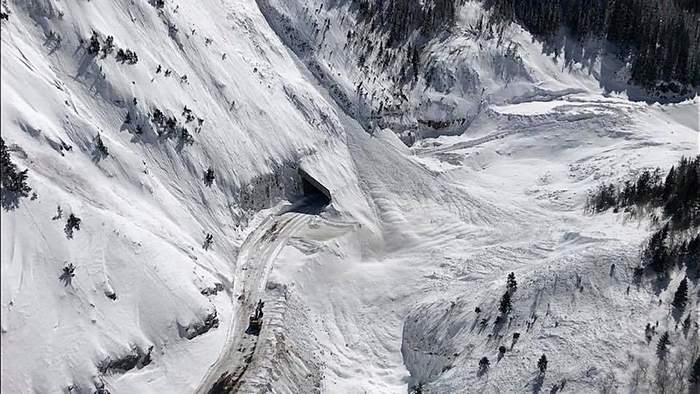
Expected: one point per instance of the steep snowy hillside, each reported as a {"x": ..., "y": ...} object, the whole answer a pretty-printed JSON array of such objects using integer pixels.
[
  {"x": 143, "y": 284},
  {"x": 199, "y": 145}
]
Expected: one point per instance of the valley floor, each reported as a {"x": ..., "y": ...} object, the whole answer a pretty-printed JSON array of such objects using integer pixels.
[{"x": 385, "y": 309}]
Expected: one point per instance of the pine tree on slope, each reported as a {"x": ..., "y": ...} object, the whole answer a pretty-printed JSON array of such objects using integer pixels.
[
  {"x": 662, "y": 346},
  {"x": 511, "y": 284},
  {"x": 505, "y": 305},
  {"x": 681, "y": 296},
  {"x": 542, "y": 364},
  {"x": 13, "y": 183}
]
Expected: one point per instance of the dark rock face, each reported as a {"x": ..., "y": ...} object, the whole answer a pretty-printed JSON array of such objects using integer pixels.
[
  {"x": 401, "y": 18},
  {"x": 137, "y": 358},
  {"x": 445, "y": 77},
  {"x": 312, "y": 187},
  {"x": 111, "y": 295},
  {"x": 212, "y": 290},
  {"x": 199, "y": 327},
  {"x": 264, "y": 190}
]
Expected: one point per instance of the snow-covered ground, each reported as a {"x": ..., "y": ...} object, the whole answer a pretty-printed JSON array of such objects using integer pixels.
[{"x": 375, "y": 294}]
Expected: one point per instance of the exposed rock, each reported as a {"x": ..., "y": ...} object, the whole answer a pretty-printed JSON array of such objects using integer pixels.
[
  {"x": 137, "y": 358},
  {"x": 199, "y": 327},
  {"x": 111, "y": 295},
  {"x": 262, "y": 191},
  {"x": 213, "y": 290}
]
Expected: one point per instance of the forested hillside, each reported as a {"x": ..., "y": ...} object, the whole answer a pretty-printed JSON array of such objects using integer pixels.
[
  {"x": 401, "y": 18},
  {"x": 661, "y": 38}
]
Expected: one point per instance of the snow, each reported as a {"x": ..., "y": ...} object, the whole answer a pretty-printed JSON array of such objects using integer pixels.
[
  {"x": 377, "y": 292},
  {"x": 144, "y": 208}
]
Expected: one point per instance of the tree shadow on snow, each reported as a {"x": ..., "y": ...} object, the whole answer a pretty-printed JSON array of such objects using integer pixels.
[
  {"x": 140, "y": 132},
  {"x": 474, "y": 323},
  {"x": 66, "y": 278},
  {"x": 86, "y": 63},
  {"x": 587, "y": 53},
  {"x": 498, "y": 324},
  {"x": 536, "y": 383},
  {"x": 514, "y": 342},
  {"x": 53, "y": 42}
]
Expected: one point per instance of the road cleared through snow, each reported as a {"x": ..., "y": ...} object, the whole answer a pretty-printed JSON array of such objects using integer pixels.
[{"x": 252, "y": 269}]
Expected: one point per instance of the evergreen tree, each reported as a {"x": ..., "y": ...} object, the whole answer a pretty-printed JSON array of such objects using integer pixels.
[
  {"x": 678, "y": 194},
  {"x": 686, "y": 324},
  {"x": 108, "y": 46},
  {"x": 185, "y": 137},
  {"x": 418, "y": 389},
  {"x": 69, "y": 270},
  {"x": 542, "y": 364},
  {"x": 13, "y": 183},
  {"x": 662, "y": 346},
  {"x": 59, "y": 213},
  {"x": 690, "y": 253},
  {"x": 656, "y": 251},
  {"x": 68, "y": 274},
  {"x": 100, "y": 147},
  {"x": 126, "y": 56},
  {"x": 484, "y": 364},
  {"x": 415, "y": 62},
  {"x": 511, "y": 284},
  {"x": 666, "y": 49},
  {"x": 73, "y": 223},
  {"x": 8, "y": 168},
  {"x": 157, "y": 117},
  {"x": 505, "y": 305},
  {"x": 209, "y": 177},
  {"x": 669, "y": 183},
  {"x": 681, "y": 296},
  {"x": 94, "y": 46},
  {"x": 208, "y": 241},
  {"x": 187, "y": 113}
]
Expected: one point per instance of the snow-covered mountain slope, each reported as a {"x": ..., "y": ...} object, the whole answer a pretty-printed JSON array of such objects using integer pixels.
[
  {"x": 377, "y": 292},
  {"x": 434, "y": 80},
  {"x": 145, "y": 209}
]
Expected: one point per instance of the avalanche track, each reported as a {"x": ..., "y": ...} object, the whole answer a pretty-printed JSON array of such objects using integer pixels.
[{"x": 252, "y": 269}]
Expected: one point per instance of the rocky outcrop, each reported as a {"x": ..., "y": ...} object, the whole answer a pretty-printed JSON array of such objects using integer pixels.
[
  {"x": 262, "y": 191},
  {"x": 197, "y": 328},
  {"x": 212, "y": 290},
  {"x": 136, "y": 358}
]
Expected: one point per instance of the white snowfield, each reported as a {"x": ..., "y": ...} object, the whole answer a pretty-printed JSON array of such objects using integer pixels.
[{"x": 376, "y": 293}]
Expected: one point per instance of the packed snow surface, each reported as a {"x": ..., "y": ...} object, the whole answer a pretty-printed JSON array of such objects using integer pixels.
[{"x": 375, "y": 292}]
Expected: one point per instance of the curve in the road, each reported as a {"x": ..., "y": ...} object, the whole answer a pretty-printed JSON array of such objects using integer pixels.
[{"x": 252, "y": 269}]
